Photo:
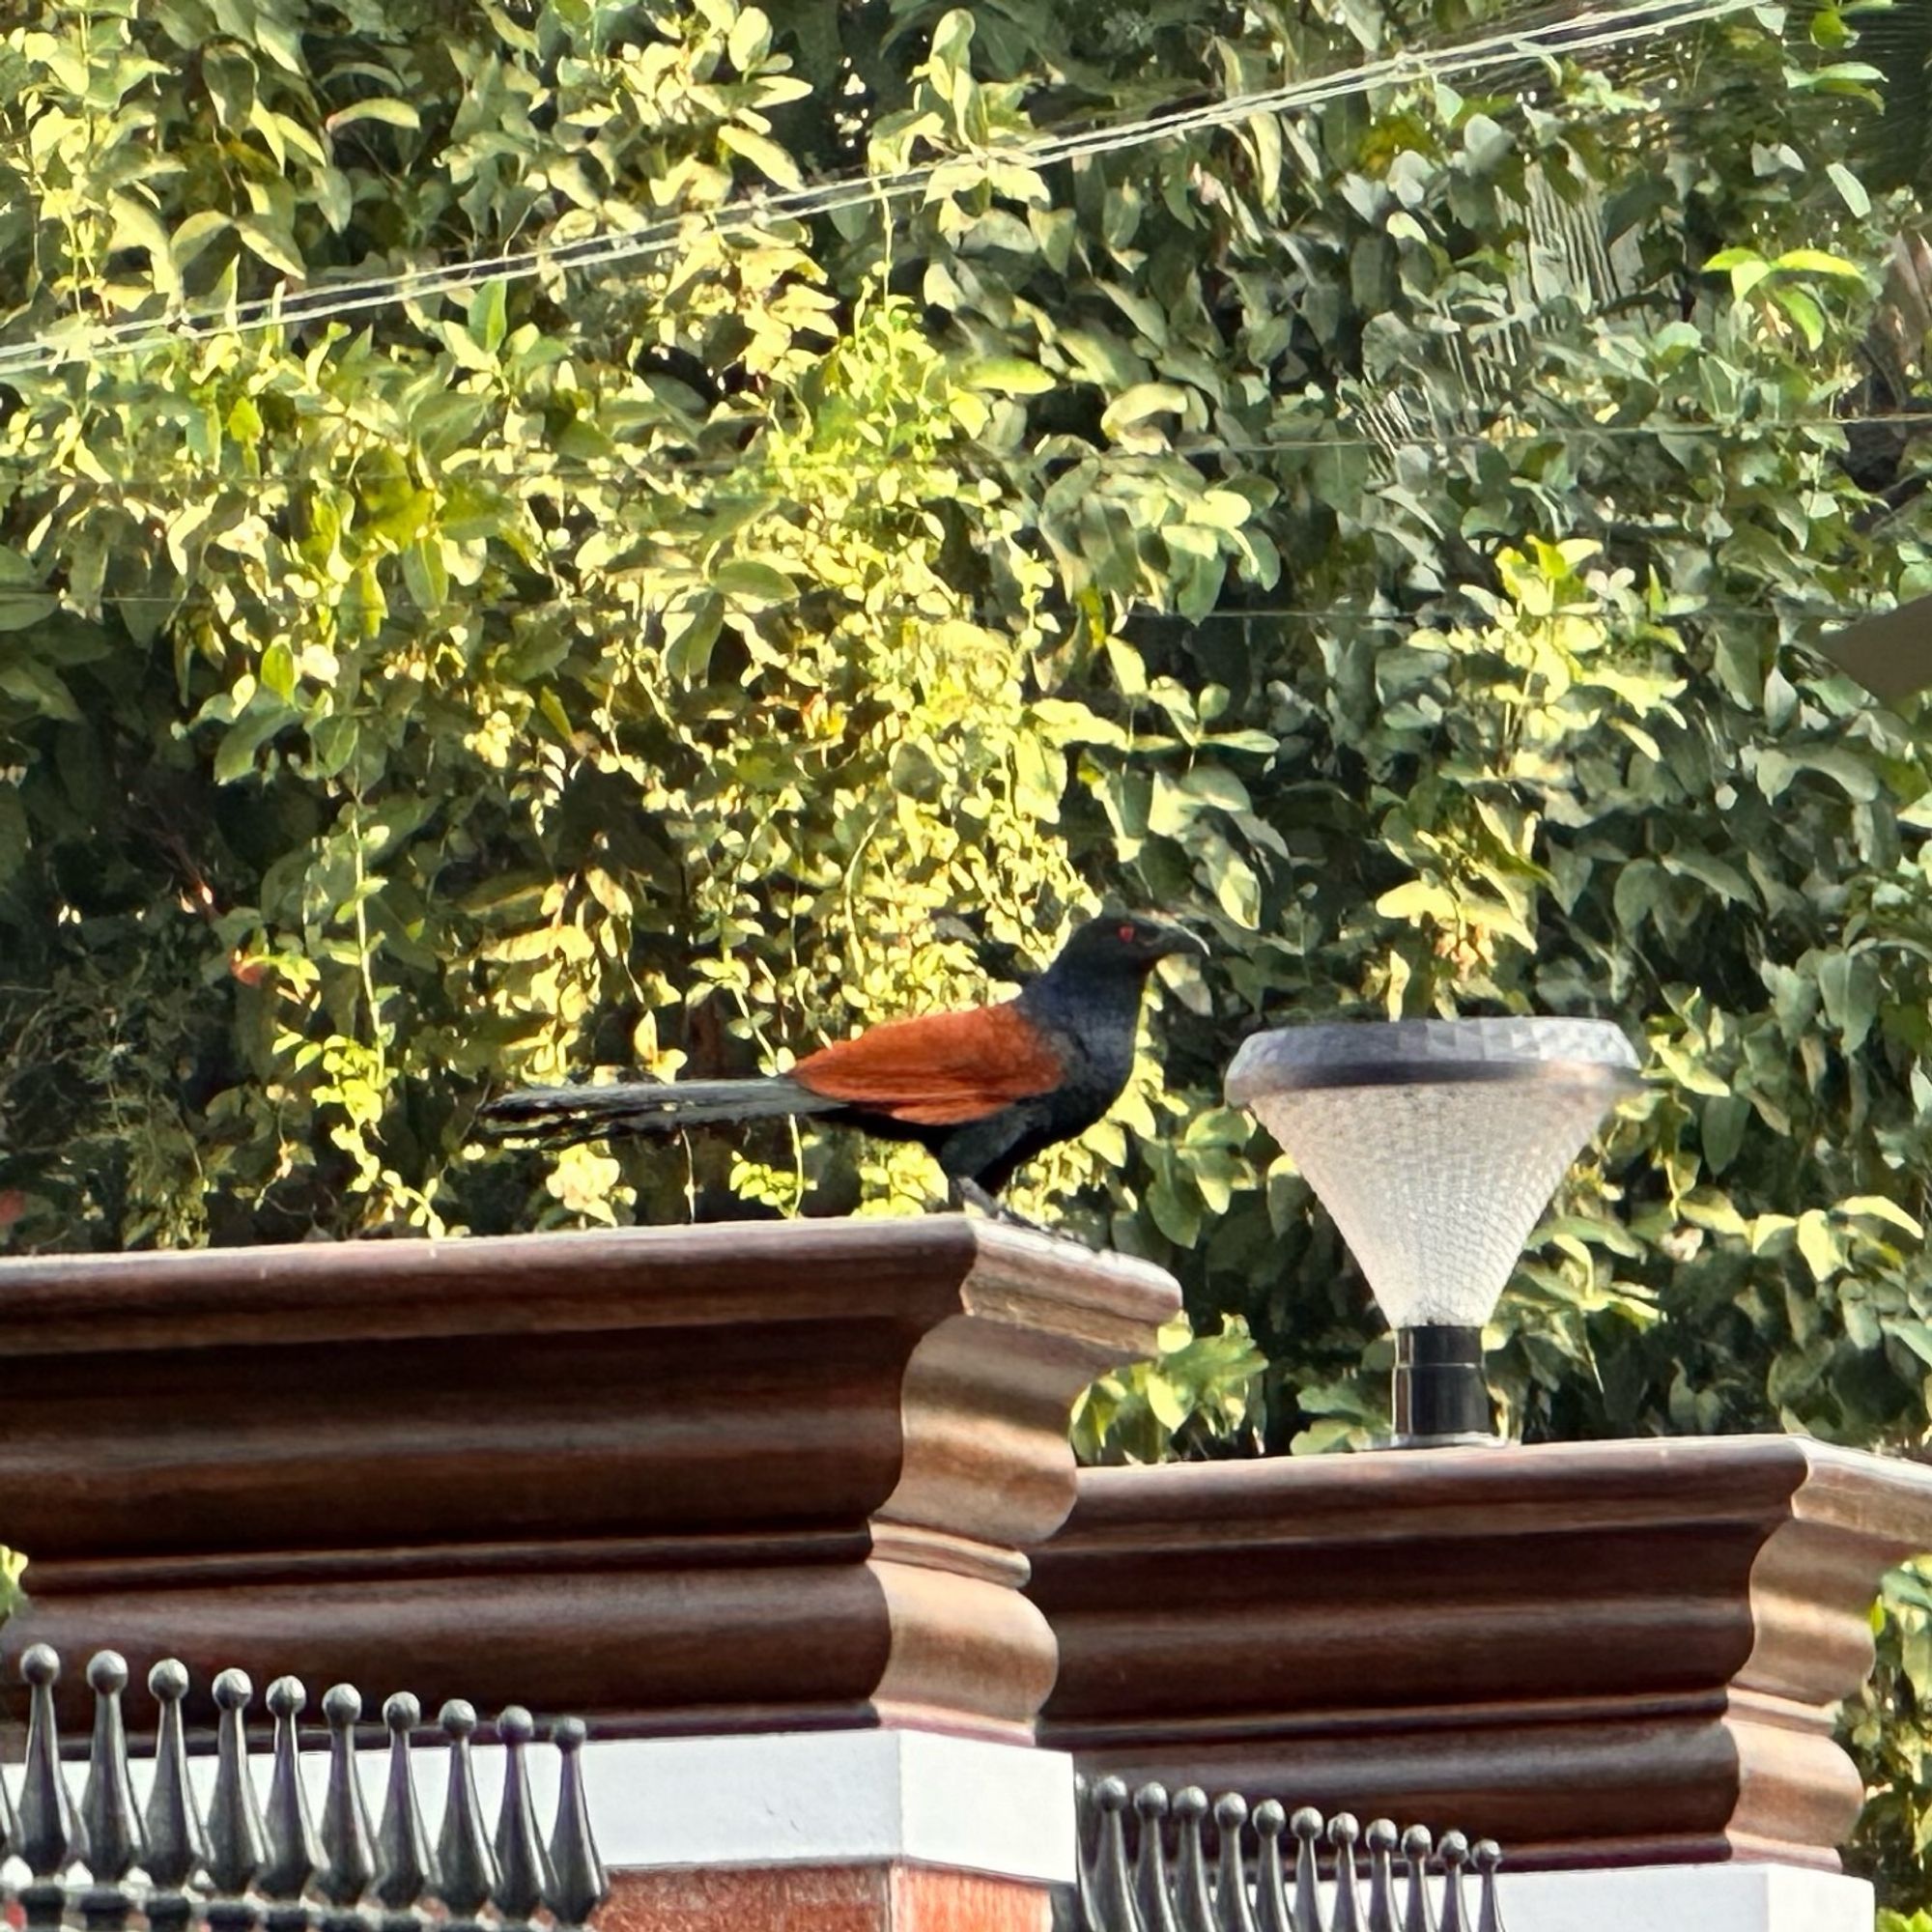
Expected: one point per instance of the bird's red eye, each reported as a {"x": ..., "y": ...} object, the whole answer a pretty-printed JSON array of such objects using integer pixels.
[{"x": 1128, "y": 933}]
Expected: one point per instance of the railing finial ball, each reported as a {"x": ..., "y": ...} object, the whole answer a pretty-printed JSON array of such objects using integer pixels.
[
  {"x": 288, "y": 1698},
  {"x": 107, "y": 1671}
]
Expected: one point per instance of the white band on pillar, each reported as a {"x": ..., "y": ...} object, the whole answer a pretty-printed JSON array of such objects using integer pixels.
[
  {"x": 1686, "y": 1898},
  {"x": 834, "y": 1798}
]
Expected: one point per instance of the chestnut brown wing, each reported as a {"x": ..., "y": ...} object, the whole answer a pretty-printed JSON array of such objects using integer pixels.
[{"x": 938, "y": 1070}]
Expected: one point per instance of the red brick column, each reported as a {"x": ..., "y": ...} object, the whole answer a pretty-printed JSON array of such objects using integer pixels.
[{"x": 824, "y": 1899}]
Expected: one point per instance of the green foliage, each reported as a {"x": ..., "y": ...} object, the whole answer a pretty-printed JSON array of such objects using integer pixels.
[
  {"x": 1885, "y": 1727},
  {"x": 1195, "y": 1397},
  {"x": 1391, "y": 534}
]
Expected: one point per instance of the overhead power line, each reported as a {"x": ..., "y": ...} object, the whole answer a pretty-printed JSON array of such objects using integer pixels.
[
  {"x": 746, "y": 468},
  {"x": 1576, "y": 34}
]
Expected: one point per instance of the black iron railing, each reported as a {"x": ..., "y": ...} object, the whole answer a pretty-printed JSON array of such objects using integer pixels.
[
  {"x": 1189, "y": 1868},
  {"x": 241, "y": 1866}
]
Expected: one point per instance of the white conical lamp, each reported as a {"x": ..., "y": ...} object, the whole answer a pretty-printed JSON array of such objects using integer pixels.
[{"x": 1435, "y": 1144}]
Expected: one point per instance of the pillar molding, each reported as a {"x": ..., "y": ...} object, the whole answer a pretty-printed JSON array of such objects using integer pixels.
[
  {"x": 1598, "y": 1654},
  {"x": 740, "y": 1477}
]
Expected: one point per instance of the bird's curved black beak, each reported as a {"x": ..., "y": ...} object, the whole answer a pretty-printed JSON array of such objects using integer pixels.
[{"x": 1170, "y": 941}]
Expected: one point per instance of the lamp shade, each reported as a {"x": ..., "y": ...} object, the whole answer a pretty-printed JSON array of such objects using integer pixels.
[{"x": 1435, "y": 1144}]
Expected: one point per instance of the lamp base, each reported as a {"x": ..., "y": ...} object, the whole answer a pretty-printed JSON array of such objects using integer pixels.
[{"x": 1441, "y": 1398}]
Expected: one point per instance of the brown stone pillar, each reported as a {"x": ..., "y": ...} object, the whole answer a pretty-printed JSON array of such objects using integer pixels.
[
  {"x": 752, "y": 1500},
  {"x": 708, "y": 1480},
  {"x": 1600, "y": 1653}
]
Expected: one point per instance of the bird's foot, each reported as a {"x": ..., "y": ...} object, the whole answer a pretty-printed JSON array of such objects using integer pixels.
[
  {"x": 970, "y": 1194},
  {"x": 1013, "y": 1218}
]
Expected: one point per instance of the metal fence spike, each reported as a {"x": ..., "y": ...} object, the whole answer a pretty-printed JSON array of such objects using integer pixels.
[
  {"x": 114, "y": 1842},
  {"x": 1115, "y": 1909},
  {"x": 1416, "y": 1915},
  {"x": 1453, "y": 1852},
  {"x": 1086, "y": 1816},
  {"x": 240, "y": 1867},
  {"x": 177, "y": 1847},
  {"x": 579, "y": 1885},
  {"x": 1175, "y": 1882},
  {"x": 112, "y": 1827},
  {"x": 1272, "y": 1911},
  {"x": 1232, "y": 1908},
  {"x": 237, "y": 1846},
  {"x": 51, "y": 1836},
  {"x": 295, "y": 1855},
  {"x": 405, "y": 1869},
  {"x": 1150, "y": 1880},
  {"x": 522, "y": 1867},
  {"x": 10, "y": 1824},
  {"x": 466, "y": 1865},
  {"x": 1487, "y": 1857},
  {"x": 1345, "y": 1913},
  {"x": 1381, "y": 1840},
  {"x": 1193, "y": 1895},
  {"x": 347, "y": 1859},
  {"x": 1306, "y": 1825}
]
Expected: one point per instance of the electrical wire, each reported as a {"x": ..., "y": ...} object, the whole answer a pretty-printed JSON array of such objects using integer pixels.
[
  {"x": 646, "y": 467},
  {"x": 1411, "y": 621},
  {"x": 1577, "y": 33}
]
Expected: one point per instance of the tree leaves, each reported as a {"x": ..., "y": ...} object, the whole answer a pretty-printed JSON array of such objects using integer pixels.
[
  {"x": 1007, "y": 376},
  {"x": 375, "y": 107}
]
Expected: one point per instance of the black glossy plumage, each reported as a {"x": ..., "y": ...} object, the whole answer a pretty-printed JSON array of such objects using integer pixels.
[{"x": 1087, "y": 1005}]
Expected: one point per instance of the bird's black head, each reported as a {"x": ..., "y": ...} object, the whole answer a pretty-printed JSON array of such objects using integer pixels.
[{"x": 1127, "y": 940}]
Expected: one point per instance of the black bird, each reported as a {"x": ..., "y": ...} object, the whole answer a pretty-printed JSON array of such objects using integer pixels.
[{"x": 982, "y": 1090}]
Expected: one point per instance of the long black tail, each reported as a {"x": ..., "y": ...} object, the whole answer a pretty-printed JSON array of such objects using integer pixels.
[{"x": 644, "y": 1107}]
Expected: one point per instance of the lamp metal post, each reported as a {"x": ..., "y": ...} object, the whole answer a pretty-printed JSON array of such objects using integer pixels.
[{"x": 1435, "y": 1144}]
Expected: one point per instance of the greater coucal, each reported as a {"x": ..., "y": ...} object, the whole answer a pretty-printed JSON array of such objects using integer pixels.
[{"x": 983, "y": 1090}]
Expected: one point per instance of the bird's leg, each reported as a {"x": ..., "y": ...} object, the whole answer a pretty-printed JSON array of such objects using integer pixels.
[
  {"x": 964, "y": 1189},
  {"x": 962, "y": 1193},
  {"x": 967, "y": 1192}
]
